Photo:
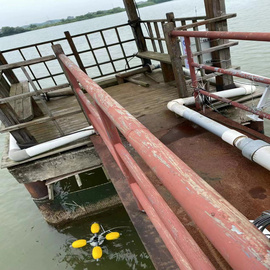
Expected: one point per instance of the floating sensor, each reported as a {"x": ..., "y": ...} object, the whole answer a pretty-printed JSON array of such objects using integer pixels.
[{"x": 97, "y": 240}]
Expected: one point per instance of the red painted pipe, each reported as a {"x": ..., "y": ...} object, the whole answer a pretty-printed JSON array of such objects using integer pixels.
[
  {"x": 240, "y": 243},
  {"x": 223, "y": 35},
  {"x": 174, "y": 249},
  {"x": 179, "y": 233},
  {"x": 235, "y": 104},
  {"x": 233, "y": 72}
]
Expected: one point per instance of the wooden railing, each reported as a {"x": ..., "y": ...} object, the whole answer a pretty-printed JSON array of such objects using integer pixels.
[
  {"x": 99, "y": 53},
  {"x": 154, "y": 35}
]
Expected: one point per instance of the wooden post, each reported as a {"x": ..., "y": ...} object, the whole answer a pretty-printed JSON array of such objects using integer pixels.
[
  {"x": 9, "y": 73},
  {"x": 175, "y": 55},
  {"x": 221, "y": 58},
  {"x": 74, "y": 50},
  {"x": 134, "y": 22},
  {"x": 57, "y": 49}
]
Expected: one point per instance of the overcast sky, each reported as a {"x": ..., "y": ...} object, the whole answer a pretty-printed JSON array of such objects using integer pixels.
[{"x": 23, "y": 12}]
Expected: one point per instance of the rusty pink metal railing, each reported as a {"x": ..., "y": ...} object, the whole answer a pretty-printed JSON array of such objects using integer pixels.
[
  {"x": 252, "y": 36},
  {"x": 240, "y": 243}
]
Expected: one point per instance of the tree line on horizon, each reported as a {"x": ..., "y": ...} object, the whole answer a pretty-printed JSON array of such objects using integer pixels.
[{"x": 8, "y": 31}]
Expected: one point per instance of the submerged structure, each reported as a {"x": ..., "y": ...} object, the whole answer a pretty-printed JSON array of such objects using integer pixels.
[{"x": 190, "y": 183}]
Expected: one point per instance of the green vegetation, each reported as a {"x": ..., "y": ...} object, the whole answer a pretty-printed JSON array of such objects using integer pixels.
[{"x": 7, "y": 31}]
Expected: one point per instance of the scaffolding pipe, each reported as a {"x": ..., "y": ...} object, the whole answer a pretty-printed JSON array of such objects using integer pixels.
[{"x": 240, "y": 243}]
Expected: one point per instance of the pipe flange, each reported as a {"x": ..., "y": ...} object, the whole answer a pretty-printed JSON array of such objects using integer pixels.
[{"x": 251, "y": 147}]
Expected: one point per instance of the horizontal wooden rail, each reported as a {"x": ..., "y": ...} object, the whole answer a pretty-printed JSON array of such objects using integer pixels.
[
  {"x": 27, "y": 62},
  {"x": 208, "y": 21},
  {"x": 31, "y": 94},
  {"x": 176, "y": 19},
  {"x": 240, "y": 243}
]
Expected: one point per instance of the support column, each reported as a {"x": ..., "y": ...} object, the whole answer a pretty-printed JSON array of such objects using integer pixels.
[
  {"x": 134, "y": 21},
  {"x": 9, "y": 73},
  {"x": 221, "y": 58},
  {"x": 175, "y": 55}
]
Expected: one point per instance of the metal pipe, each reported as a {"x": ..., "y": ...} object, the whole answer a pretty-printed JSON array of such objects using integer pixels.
[
  {"x": 256, "y": 36},
  {"x": 234, "y": 72},
  {"x": 240, "y": 243},
  {"x": 168, "y": 240},
  {"x": 235, "y": 104},
  {"x": 179, "y": 233}
]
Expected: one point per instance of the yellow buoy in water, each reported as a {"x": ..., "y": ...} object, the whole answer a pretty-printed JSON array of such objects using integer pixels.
[
  {"x": 112, "y": 235},
  {"x": 97, "y": 252},
  {"x": 95, "y": 228},
  {"x": 79, "y": 243}
]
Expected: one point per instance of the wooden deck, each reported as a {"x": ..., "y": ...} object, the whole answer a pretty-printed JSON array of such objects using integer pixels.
[{"x": 144, "y": 103}]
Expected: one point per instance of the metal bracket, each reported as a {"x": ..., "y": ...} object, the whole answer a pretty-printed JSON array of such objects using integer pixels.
[{"x": 261, "y": 104}]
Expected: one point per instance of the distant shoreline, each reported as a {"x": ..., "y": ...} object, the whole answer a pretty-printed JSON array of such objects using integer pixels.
[{"x": 8, "y": 31}]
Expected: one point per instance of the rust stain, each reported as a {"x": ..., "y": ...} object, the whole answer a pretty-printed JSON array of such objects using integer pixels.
[{"x": 258, "y": 193}]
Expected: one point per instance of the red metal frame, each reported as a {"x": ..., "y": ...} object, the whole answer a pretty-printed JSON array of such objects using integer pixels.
[
  {"x": 235, "y": 104},
  {"x": 238, "y": 73},
  {"x": 240, "y": 243}
]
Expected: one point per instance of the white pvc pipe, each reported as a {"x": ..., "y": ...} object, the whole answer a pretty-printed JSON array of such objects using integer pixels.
[
  {"x": 240, "y": 91},
  {"x": 18, "y": 154},
  {"x": 255, "y": 150}
]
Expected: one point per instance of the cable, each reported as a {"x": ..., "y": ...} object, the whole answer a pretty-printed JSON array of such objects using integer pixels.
[{"x": 263, "y": 221}]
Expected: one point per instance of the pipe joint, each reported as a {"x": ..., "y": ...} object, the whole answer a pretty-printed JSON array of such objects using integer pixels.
[
  {"x": 231, "y": 136},
  {"x": 251, "y": 147}
]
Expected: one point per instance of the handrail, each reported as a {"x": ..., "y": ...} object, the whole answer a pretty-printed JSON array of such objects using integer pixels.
[
  {"x": 27, "y": 62},
  {"x": 240, "y": 243},
  {"x": 251, "y": 36},
  {"x": 208, "y": 21}
]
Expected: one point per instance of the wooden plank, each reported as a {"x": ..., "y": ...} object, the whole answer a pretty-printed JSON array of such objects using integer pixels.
[
  {"x": 23, "y": 106},
  {"x": 9, "y": 73},
  {"x": 74, "y": 50},
  {"x": 176, "y": 19},
  {"x": 165, "y": 58},
  {"x": 151, "y": 36},
  {"x": 208, "y": 21},
  {"x": 10, "y": 118},
  {"x": 158, "y": 36},
  {"x": 53, "y": 166},
  {"x": 4, "y": 86},
  {"x": 44, "y": 119},
  {"x": 162, "y": 57},
  {"x": 28, "y": 112},
  {"x": 27, "y": 62},
  {"x": 30, "y": 94}
]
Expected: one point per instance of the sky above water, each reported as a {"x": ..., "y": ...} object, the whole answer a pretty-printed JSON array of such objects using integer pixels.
[{"x": 22, "y": 12}]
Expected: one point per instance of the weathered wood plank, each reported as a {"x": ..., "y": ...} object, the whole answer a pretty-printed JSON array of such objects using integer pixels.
[
  {"x": 9, "y": 73},
  {"x": 4, "y": 86},
  {"x": 208, "y": 21},
  {"x": 51, "y": 167},
  {"x": 162, "y": 57},
  {"x": 30, "y": 94},
  {"x": 27, "y": 62},
  {"x": 165, "y": 58},
  {"x": 23, "y": 106}
]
